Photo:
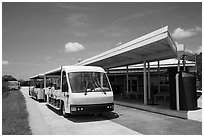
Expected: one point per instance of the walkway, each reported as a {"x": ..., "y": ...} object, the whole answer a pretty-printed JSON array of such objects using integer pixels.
[{"x": 165, "y": 110}]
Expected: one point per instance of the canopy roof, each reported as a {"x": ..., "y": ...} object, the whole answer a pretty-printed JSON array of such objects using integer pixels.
[
  {"x": 39, "y": 76},
  {"x": 163, "y": 64},
  {"x": 54, "y": 72},
  {"x": 157, "y": 45}
]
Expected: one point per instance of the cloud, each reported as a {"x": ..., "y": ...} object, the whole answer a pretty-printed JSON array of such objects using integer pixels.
[
  {"x": 68, "y": 6},
  {"x": 181, "y": 33},
  {"x": 73, "y": 47},
  {"x": 198, "y": 50},
  {"x": 5, "y": 62},
  {"x": 26, "y": 64},
  {"x": 77, "y": 20},
  {"x": 136, "y": 16},
  {"x": 145, "y": 13},
  {"x": 76, "y": 32},
  {"x": 114, "y": 31},
  {"x": 48, "y": 58},
  {"x": 119, "y": 43}
]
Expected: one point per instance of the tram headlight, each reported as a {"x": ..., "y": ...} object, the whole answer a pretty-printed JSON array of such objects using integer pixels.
[
  {"x": 80, "y": 108},
  {"x": 73, "y": 109},
  {"x": 77, "y": 108},
  {"x": 110, "y": 107}
]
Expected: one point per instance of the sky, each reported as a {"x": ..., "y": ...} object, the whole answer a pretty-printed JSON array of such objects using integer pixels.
[{"x": 38, "y": 37}]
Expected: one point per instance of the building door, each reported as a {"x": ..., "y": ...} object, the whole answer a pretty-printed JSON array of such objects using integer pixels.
[{"x": 133, "y": 84}]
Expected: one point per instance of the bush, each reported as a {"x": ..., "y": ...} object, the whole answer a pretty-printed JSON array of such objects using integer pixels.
[
  {"x": 8, "y": 78},
  {"x": 5, "y": 89}
]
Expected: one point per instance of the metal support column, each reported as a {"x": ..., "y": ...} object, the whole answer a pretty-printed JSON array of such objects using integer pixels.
[
  {"x": 149, "y": 82},
  {"x": 179, "y": 67},
  {"x": 145, "y": 82},
  {"x": 177, "y": 86},
  {"x": 44, "y": 81},
  {"x": 184, "y": 63},
  {"x": 127, "y": 79},
  {"x": 158, "y": 76},
  {"x": 196, "y": 69}
]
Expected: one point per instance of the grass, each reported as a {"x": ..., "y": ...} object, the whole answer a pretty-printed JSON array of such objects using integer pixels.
[{"x": 14, "y": 113}]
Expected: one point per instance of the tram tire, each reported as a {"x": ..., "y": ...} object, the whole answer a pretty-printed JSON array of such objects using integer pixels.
[{"x": 100, "y": 114}]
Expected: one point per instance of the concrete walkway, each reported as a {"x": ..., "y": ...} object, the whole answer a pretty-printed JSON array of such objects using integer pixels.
[
  {"x": 196, "y": 114},
  {"x": 193, "y": 114}
]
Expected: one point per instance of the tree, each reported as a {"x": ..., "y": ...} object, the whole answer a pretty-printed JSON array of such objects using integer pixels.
[
  {"x": 199, "y": 70},
  {"x": 24, "y": 83},
  {"x": 5, "y": 84},
  {"x": 198, "y": 59},
  {"x": 8, "y": 78}
]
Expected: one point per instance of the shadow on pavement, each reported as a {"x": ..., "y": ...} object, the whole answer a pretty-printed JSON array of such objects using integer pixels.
[
  {"x": 39, "y": 100},
  {"x": 87, "y": 117},
  {"x": 92, "y": 117},
  {"x": 54, "y": 110}
]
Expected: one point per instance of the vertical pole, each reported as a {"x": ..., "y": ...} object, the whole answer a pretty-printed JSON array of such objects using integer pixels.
[
  {"x": 158, "y": 76},
  {"x": 196, "y": 69},
  {"x": 114, "y": 80},
  {"x": 44, "y": 92},
  {"x": 34, "y": 81},
  {"x": 44, "y": 81},
  {"x": 145, "y": 82},
  {"x": 178, "y": 64},
  {"x": 177, "y": 92},
  {"x": 177, "y": 86},
  {"x": 127, "y": 79},
  {"x": 149, "y": 82},
  {"x": 184, "y": 64}
]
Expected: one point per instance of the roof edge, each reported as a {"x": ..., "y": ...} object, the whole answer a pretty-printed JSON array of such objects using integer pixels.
[{"x": 127, "y": 44}]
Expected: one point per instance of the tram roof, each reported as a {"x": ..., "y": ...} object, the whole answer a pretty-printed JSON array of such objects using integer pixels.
[{"x": 57, "y": 71}]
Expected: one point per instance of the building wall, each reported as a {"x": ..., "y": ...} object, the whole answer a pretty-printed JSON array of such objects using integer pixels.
[{"x": 118, "y": 82}]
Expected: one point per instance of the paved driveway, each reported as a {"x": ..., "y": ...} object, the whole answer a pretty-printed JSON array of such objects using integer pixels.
[
  {"x": 123, "y": 121},
  {"x": 155, "y": 124},
  {"x": 45, "y": 120}
]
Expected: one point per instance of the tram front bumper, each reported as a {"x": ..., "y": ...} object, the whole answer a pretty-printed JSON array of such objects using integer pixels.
[{"x": 92, "y": 108}]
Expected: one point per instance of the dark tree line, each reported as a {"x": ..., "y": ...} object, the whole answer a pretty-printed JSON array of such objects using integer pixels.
[
  {"x": 24, "y": 83},
  {"x": 8, "y": 78},
  {"x": 5, "y": 84},
  {"x": 198, "y": 59}
]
